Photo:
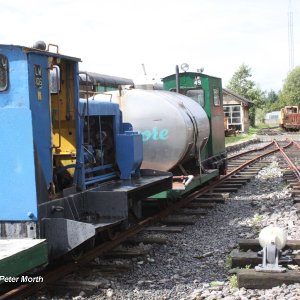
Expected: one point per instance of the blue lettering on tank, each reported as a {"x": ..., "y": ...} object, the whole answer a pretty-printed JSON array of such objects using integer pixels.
[{"x": 155, "y": 134}]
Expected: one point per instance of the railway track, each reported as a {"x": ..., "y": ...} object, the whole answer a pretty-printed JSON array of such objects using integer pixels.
[
  {"x": 242, "y": 168},
  {"x": 289, "y": 162}
]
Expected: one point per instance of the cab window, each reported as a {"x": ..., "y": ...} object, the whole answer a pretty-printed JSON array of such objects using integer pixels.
[
  {"x": 216, "y": 95},
  {"x": 196, "y": 95},
  {"x": 3, "y": 73}
]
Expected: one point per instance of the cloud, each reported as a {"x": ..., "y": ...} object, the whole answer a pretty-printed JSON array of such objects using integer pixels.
[{"x": 115, "y": 37}]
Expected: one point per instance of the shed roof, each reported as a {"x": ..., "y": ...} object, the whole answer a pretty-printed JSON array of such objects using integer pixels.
[{"x": 238, "y": 97}]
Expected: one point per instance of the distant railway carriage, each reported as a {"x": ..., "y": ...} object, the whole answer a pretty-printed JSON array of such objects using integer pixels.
[
  {"x": 272, "y": 118},
  {"x": 290, "y": 118}
]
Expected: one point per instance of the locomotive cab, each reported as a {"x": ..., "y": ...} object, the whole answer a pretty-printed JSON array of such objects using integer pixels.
[{"x": 207, "y": 92}]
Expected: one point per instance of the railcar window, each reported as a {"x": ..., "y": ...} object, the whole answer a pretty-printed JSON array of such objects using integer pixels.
[
  {"x": 216, "y": 93},
  {"x": 3, "y": 73},
  {"x": 196, "y": 95}
]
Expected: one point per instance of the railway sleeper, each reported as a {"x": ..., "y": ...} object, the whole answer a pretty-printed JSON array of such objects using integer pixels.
[
  {"x": 237, "y": 181},
  {"x": 296, "y": 193},
  {"x": 211, "y": 194},
  {"x": 230, "y": 184},
  {"x": 253, "y": 244},
  {"x": 169, "y": 229},
  {"x": 297, "y": 206},
  {"x": 225, "y": 189},
  {"x": 250, "y": 279},
  {"x": 77, "y": 285},
  {"x": 208, "y": 205},
  {"x": 195, "y": 212},
  {"x": 296, "y": 201},
  {"x": 242, "y": 259},
  {"x": 122, "y": 252},
  {"x": 151, "y": 239},
  {"x": 178, "y": 220},
  {"x": 209, "y": 199}
]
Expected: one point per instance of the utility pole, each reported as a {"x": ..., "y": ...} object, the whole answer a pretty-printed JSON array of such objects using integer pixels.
[
  {"x": 290, "y": 37},
  {"x": 144, "y": 69}
]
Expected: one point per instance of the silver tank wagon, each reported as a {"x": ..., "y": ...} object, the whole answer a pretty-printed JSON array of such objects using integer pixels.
[{"x": 173, "y": 126}]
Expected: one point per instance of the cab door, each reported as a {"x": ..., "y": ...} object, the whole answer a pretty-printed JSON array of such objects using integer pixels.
[{"x": 40, "y": 106}]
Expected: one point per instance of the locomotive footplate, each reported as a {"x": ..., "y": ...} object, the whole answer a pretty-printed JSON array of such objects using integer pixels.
[
  {"x": 149, "y": 183},
  {"x": 70, "y": 221}
]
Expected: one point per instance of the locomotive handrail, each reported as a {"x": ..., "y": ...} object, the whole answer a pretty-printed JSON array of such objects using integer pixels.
[
  {"x": 53, "y": 45},
  {"x": 59, "y": 115}
]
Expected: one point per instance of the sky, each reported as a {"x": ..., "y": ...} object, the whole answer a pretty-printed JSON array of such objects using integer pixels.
[{"x": 115, "y": 37}]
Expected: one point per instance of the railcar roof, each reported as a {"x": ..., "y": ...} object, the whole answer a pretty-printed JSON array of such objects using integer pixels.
[
  {"x": 189, "y": 74},
  {"x": 104, "y": 79},
  {"x": 42, "y": 52}
]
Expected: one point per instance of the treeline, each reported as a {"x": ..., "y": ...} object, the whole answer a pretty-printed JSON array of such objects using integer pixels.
[{"x": 265, "y": 101}]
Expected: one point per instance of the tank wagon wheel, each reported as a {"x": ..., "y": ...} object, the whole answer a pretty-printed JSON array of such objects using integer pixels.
[
  {"x": 111, "y": 234},
  {"x": 79, "y": 251}
]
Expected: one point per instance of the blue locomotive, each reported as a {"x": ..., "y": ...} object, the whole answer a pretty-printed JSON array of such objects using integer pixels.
[{"x": 70, "y": 168}]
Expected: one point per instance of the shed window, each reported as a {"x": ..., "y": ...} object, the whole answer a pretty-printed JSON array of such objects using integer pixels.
[
  {"x": 234, "y": 115},
  {"x": 3, "y": 73}
]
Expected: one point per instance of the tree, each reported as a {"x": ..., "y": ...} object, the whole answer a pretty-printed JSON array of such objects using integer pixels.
[
  {"x": 271, "y": 101},
  {"x": 244, "y": 86},
  {"x": 290, "y": 94}
]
